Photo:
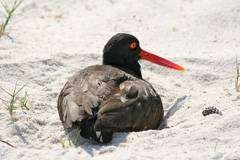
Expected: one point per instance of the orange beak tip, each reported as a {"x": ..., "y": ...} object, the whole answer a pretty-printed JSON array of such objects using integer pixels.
[{"x": 182, "y": 70}]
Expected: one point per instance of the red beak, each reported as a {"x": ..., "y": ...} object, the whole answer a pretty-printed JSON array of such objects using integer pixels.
[{"x": 159, "y": 60}]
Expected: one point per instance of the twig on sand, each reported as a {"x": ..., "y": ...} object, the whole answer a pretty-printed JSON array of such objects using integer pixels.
[
  {"x": 8, "y": 143},
  {"x": 215, "y": 147},
  {"x": 237, "y": 81}
]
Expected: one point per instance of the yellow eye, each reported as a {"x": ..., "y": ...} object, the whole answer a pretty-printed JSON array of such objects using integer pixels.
[{"x": 133, "y": 45}]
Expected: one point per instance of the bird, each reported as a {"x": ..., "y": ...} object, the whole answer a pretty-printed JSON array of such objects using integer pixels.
[{"x": 113, "y": 97}]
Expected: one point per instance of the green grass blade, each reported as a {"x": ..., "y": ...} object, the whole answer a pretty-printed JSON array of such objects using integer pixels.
[
  {"x": 4, "y": 90},
  {"x": 20, "y": 89}
]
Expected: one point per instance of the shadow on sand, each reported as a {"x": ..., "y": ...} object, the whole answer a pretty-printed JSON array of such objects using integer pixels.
[
  {"x": 174, "y": 108},
  {"x": 90, "y": 145}
]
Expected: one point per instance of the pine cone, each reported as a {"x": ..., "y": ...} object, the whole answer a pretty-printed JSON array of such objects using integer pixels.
[{"x": 211, "y": 110}]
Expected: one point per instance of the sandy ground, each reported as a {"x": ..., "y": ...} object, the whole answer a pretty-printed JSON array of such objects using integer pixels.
[{"x": 53, "y": 39}]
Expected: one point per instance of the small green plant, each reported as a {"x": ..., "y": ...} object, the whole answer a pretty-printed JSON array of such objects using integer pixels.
[
  {"x": 15, "y": 100},
  {"x": 71, "y": 138},
  {"x": 237, "y": 81},
  {"x": 24, "y": 101},
  {"x": 8, "y": 12}
]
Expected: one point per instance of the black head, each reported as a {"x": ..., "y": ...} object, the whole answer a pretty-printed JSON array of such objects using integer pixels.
[{"x": 123, "y": 51}]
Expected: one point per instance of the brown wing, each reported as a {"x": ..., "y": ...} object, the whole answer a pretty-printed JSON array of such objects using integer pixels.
[
  {"x": 86, "y": 90},
  {"x": 137, "y": 107}
]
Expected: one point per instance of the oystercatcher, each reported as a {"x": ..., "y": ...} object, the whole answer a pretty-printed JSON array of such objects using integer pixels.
[{"x": 113, "y": 97}]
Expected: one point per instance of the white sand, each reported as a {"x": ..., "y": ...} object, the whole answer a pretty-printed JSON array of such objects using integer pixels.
[{"x": 53, "y": 39}]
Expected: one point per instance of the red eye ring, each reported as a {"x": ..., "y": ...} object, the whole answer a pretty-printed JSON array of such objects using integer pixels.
[{"x": 133, "y": 45}]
